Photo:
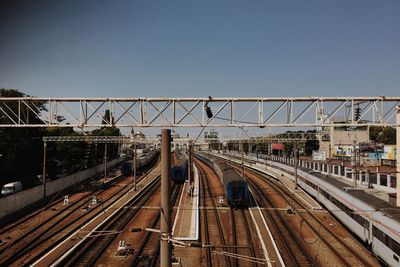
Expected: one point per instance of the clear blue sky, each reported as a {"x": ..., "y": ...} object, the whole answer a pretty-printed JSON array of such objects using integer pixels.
[{"x": 199, "y": 48}]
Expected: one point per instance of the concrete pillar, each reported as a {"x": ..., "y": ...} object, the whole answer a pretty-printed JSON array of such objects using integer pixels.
[
  {"x": 165, "y": 227},
  {"x": 398, "y": 155}
]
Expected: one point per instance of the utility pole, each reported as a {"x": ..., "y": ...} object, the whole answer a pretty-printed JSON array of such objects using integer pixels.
[
  {"x": 133, "y": 171},
  {"x": 44, "y": 168},
  {"x": 165, "y": 247},
  {"x": 190, "y": 164},
  {"x": 398, "y": 155},
  {"x": 330, "y": 161},
  {"x": 134, "y": 166},
  {"x": 105, "y": 161},
  {"x": 354, "y": 163},
  {"x": 241, "y": 153},
  {"x": 295, "y": 165}
]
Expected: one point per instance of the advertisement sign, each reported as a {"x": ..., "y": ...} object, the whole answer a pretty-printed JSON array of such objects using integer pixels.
[
  {"x": 389, "y": 152},
  {"x": 371, "y": 147},
  {"x": 343, "y": 151},
  {"x": 318, "y": 155},
  {"x": 371, "y": 159},
  {"x": 278, "y": 146}
]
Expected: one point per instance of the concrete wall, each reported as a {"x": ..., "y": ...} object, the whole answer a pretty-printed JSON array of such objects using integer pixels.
[{"x": 20, "y": 200}]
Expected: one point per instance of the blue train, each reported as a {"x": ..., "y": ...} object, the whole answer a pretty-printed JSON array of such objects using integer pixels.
[
  {"x": 236, "y": 187},
  {"x": 179, "y": 171}
]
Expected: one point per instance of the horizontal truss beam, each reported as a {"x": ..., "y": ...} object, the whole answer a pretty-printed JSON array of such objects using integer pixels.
[{"x": 191, "y": 112}]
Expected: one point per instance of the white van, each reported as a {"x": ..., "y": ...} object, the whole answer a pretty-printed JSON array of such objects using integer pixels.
[{"x": 11, "y": 188}]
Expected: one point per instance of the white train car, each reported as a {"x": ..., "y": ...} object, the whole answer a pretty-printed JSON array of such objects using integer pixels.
[{"x": 371, "y": 219}]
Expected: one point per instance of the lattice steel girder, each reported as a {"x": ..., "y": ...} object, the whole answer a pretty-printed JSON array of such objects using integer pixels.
[
  {"x": 100, "y": 139},
  {"x": 190, "y": 112},
  {"x": 283, "y": 137}
]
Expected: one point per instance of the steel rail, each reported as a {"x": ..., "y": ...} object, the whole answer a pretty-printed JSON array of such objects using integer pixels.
[
  {"x": 344, "y": 245},
  {"x": 205, "y": 215},
  {"x": 286, "y": 195},
  {"x": 87, "y": 253},
  {"x": 76, "y": 224},
  {"x": 248, "y": 235},
  {"x": 286, "y": 236},
  {"x": 216, "y": 214}
]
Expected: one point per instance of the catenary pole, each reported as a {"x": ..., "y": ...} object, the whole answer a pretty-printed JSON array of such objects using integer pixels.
[
  {"x": 165, "y": 247},
  {"x": 44, "y": 168},
  {"x": 398, "y": 155}
]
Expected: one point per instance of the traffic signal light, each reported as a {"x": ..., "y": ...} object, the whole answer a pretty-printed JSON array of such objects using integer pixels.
[
  {"x": 357, "y": 113},
  {"x": 208, "y": 111}
]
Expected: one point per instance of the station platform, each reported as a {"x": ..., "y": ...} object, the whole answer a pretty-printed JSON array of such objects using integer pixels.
[{"x": 186, "y": 224}]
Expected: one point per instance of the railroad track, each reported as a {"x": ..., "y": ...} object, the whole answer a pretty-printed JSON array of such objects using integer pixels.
[
  {"x": 205, "y": 222},
  {"x": 347, "y": 255},
  {"x": 207, "y": 191},
  {"x": 47, "y": 235},
  {"x": 48, "y": 228},
  {"x": 244, "y": 246},
  {"x": 344, "y": 252},
  {"x": 234, "y": 237},
  {"x": 98, "y": 189},
  {"x": 288, "y": 242},
  {"x": 6, "y": 229},
  {"x": 139, "y": 257},
  {"x": 88, "y": 252}
]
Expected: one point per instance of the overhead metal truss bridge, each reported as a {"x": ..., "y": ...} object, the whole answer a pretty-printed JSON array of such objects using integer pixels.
[
  {"x": 283, "y": 137},
  {"x": 198, "y": 112}
]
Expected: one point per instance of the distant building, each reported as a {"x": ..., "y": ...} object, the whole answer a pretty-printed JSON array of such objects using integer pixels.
[
  {"x": 337, "y": 136},
  {"x": 211, "y": 136}
]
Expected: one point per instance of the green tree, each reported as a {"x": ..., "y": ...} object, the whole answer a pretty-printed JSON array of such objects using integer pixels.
[
  {"x": 386, "y": 135},
  {"x": 311, "y": 144},
  {"x": 21, "y": 149}
]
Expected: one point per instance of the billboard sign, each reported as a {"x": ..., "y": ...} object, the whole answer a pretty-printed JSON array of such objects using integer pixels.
[
  {"x": 318, "y": 155},
  {"x": 389, "y": 152},
  {"x": 371, "y": 147},
  {"x": 278, "y": 146},
  {"x": 343, "y": 151}
]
